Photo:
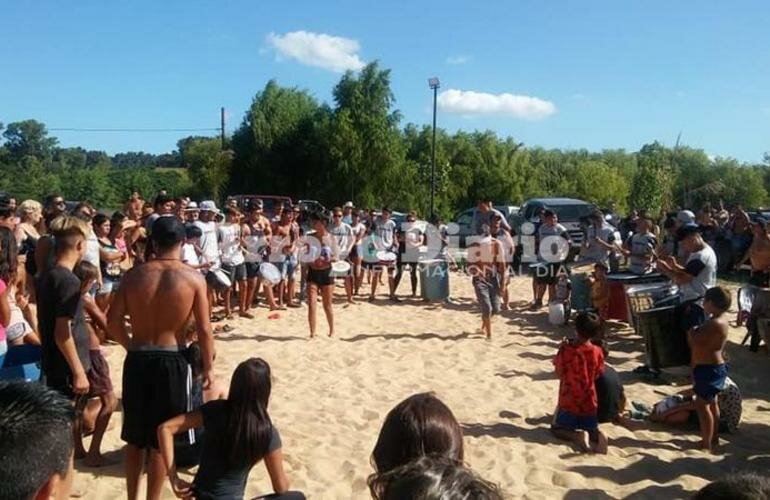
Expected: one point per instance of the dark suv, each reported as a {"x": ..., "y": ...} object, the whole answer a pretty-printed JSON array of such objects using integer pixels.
[{"x": 569, "y": 211}]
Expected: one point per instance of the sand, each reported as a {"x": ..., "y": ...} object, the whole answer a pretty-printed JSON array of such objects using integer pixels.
[{"x": 330, "y": 397}]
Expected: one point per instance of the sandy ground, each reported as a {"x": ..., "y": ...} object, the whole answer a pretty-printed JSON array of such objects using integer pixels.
[{"x": 330, "y": 397}]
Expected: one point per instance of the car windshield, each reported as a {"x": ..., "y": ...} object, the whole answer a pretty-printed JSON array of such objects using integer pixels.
[{"x": 572, "y": 213}]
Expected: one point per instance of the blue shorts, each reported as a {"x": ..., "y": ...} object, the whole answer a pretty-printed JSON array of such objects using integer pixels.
[
  {"x": 568, "y": 421},
  {"x": 709, "y": 380}
]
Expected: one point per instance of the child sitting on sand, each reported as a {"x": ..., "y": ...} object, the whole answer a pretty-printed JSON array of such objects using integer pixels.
[
  {"x": 709, "y": 368},
  {"x": 578, "y": 364}
]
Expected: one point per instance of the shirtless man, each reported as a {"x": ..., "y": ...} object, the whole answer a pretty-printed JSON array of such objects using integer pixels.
[
  {"x": 759, "y": 255},
  {"x": 282, "y": 249},
  {"x": 509, "y": 248},
  {"x": 486, "y": 263},
  {"x": 159, "y": 297},
  {"x": 709, "y": 369},
  {"x": 256, "y": 233}
]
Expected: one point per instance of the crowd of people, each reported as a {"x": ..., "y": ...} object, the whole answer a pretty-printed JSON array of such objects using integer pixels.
[{"x": 162, "y": 278}]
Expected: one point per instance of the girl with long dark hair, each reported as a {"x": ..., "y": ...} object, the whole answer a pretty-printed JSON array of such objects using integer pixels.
[{"x": 238, "y": 433}]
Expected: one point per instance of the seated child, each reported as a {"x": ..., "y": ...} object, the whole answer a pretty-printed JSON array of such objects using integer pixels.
[
  {"x": 99, "y": 374},
  {"x": 578, "y": 364},
  {"x": 709, "y": 369}
]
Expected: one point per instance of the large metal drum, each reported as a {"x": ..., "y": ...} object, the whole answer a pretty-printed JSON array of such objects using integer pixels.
[
  {"x": 434, "y": 279},
  {"x": 665, "y": 340},
  {"x": 649, "y": 296},
  {"x": 618, "y": 307}
]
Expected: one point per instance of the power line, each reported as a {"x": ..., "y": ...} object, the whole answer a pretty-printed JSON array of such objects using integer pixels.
[{"x": 73, "y": 129}]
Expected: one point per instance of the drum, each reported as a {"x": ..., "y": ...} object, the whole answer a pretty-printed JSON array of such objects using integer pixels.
[
  {"x": 340, "y": 269},
  {"x": 581, "y": 291},
  {"x": 434, "y": 279},
  {"x": 665, "y": 340},
  {"x": 221, "y": 280},
  {"x": 557, "y": 314},
  {"x": 644, "y": 297},
  {"x": 618, "y": 307},
  {"x": 746, "y": 296},
  {"x": 270, "y": 273},
  {"x": 386, "y": 258}
]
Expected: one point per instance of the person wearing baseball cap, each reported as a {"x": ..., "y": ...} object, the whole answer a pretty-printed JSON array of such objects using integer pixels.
[
  {"x": 684, "y": 217},
  {"x": 697, "y": 275},
  {"x": 191, "y": 213},
  {"x": 209, "y": 243}
]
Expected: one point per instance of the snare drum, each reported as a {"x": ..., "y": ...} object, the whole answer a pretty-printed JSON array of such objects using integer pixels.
[
  {"x": 220, "y": 280},
  {"x": 270, "y": 273},
  {"x": 386, "y": 258},
  {"x": 340, "y": 269}
]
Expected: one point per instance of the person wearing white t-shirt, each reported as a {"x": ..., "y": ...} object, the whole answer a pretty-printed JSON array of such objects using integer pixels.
[
  {"x": 343, "y": 235},
  {"x": 233, "y": 263},
  {"x": 355, "y": 256},
  {"x": 209, "y": 246},
  {"x": 697, "y": 275}
]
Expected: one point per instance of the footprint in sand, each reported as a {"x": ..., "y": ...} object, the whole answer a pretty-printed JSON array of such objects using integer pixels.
[{"x": 370, "y": 415}]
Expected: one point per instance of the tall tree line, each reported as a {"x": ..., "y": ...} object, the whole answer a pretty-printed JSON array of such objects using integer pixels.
[{"x": 356, "y": 148}]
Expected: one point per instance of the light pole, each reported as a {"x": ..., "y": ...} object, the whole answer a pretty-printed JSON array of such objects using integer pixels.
[{"x": 434, "y": 84}]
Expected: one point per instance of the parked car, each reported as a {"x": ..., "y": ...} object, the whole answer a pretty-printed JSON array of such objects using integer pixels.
[
  {"x": 465, "y": 218},
  {"x": 570, "y": 212}
]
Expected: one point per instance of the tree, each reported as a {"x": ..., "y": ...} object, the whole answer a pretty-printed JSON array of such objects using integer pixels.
[
  {"x": 209, "y": 166},
  {"x": 28, "y": 138},
  {"x": 651, "y": 185}
]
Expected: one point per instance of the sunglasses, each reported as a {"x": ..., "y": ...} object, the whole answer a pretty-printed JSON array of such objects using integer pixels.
[{"x": 338, "y": 215}]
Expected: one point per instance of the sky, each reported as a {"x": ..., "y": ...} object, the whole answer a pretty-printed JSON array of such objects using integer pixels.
[{"x": 566, "y": 74}]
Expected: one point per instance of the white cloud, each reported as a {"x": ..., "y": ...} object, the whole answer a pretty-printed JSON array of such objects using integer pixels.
[
  {"x": 334, "y": 53},
  {"x": 455, "y": 60},
  {"x": 468, "y": 102}
]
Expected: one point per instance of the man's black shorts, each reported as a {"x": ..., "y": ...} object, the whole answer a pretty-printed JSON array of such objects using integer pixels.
[{"x": 155, "y": 389}]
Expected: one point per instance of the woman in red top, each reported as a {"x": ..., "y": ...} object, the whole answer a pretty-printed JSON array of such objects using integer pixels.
[{"x": 578, "y": 364}]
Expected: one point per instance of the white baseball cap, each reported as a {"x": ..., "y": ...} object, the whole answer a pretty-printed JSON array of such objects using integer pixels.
[
  {"x": 348, "y": 205},
  {"x": 191, "y": 207}
]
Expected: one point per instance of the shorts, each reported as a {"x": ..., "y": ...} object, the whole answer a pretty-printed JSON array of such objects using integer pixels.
[
  {"x": 213, "y": 282},
  {"x": 709, "y": 380},
  {"x": 237, "y": 272},
  {"x": 374, "y": 266},
  {"x": 99, "y": 375},
  {"x": 320, "y": 277},
  {"x": 571, "y": 422},
  {"x": 548, "y": 272},
  {"x": 488, "y": 295},
  {"x": 690, "y": 315},
  {"x": 252, "y": 270},
  {"x": 61, "y": 384},
  {"x": 17, "y": 330},
  {"x": 156, "y": 386},
  {"x": 353, "y": 255},
  {"x": 760, "y": 279}
]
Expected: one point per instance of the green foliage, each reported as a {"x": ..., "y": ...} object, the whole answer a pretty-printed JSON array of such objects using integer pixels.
[{"x": 355, "y": 149}]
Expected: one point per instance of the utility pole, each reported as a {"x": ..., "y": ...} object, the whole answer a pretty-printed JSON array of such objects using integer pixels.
[
  {"x": 222, "y": 125},
  {"x": 434, "y": 84}
]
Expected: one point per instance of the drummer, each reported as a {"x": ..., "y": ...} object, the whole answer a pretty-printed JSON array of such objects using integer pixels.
[
  {"x": 640, "y": 248},
  {"x": 256, "y": 233},
  {"x": 346, "y": 240},
  {"x": 551, "y": 263},
  {"x": 599, "y": 241},
  {"x": 385, "y": 230},
  {"x": 759, "y": 255},
  {"x": 319, "y": 278},
  {"x": 359, "y": 231},
  {"x": 694, "y": 278}
]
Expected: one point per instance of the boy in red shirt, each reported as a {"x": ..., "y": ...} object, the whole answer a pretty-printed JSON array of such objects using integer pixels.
[{"x": 578, "y": 364}]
